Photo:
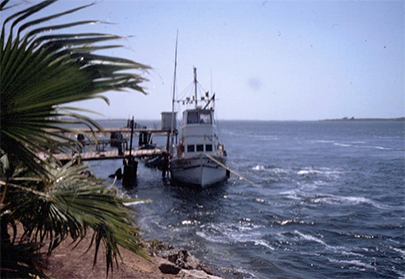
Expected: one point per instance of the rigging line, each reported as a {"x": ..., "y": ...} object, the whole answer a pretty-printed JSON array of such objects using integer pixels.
[
  {"x": 173, "y": 98},
  {"x": 232, "y": 171},
  {"x": 188, "y": 90}
]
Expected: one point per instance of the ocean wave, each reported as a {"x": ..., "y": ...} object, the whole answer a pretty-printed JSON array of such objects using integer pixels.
[
  {"x": 308, "y": 172},
  {"x": 258, "y": 168},
  {"x": 242, "y": 232},
  {"x": 308, "y": 237},
  {"x": 190, "y": 222},
  {"x": 291, "y": 237},
  {"x": 279, "y": 170},
  {"x": 323, "y": 141},
  {"x": 356, "y": 144},
  {"x": 293, "y": 221},
  {"x": 378, "y": 147},
  {"x": 137, "y": 202},
  {"x": 259, "y": 200},
  {"x": 342, "y": 144},
  {"x": 349, "y": 200},
  {"x": 352, "y": 262},
  {"x": 400, "y": 251},
  {"x": 264, "y": 137},
  {"x": 326, "y": 172},
  {"x": 300, "y": 194},
  {"x": 291, "y": 194},
  {"x": 247, "y": 274},
  {"x": 264, "y": 244}
]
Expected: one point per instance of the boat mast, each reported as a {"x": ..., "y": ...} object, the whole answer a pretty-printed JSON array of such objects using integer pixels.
[
  {"x": 174, "y": 95},
  {"x": 195, "y": 86}
]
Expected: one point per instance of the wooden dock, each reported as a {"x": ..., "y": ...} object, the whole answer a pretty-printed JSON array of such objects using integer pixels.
[
  {"x": 108, "y": 136},
  {"x": 123, "y": 130},
  {"x": 106, "y": 155}
]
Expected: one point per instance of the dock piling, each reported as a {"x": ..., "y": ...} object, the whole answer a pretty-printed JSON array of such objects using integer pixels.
[{"x": 130, "y": 165}]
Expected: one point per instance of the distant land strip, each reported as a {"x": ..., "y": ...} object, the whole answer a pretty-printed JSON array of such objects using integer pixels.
[{"x": 366, "y": 119}]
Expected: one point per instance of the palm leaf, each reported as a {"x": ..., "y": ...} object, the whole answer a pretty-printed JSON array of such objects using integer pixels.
[
  {"x": 22, "y": 260},
  {"x": 70, "y": 204},
  {"x": 39, "y": 74}
]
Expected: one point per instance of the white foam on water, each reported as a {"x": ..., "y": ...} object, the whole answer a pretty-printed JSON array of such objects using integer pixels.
[
  {"x": 351, "y": 200},
  {"x": 327, "y": 172},
  {"x": 352, "y": 254},
  {"x": 337, "y": 249},
  {"x": 327, "y": 200},
  {"x": 342, "y": 144},
  {"x": 211, "y": 238},
  {"x": 357, "y": 144},
  {"x": 379, "y": 147},
  {"x": 310, "y": 238},
  {"x": 358, "y": 200},
  {"x": 308, "y": 172},
  {"x": 263, "y": 243},
  {"x": 279, "y": 170},
  {"x": 258, "y": 167},
  {"x": 246, "y": 272},
  {"x": 323, "y": 141},
  {"x": 352, "y": 262},
  {"x": 400, "y": 251},
  {"x": 264, "y": 137},
  {"x": 260, "y": 200},
  {"x": 234, "y": 233},
  {"x": 291, "y": 221},
  {"x": 190, "y": 222},
  {"x": 136, "y": 202},
  {"x": 285, "y": 222},
  {"x": 291, "y": 194}
]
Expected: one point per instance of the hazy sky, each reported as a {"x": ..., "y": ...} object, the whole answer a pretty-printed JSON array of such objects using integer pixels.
[{"x": 268, "y": 60}]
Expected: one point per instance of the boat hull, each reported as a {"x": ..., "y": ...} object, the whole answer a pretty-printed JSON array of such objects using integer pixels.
[{"x": 198, "y": 170}]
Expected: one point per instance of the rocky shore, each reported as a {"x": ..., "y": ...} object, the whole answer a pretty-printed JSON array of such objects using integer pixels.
[{"x": 163, "y": 263}]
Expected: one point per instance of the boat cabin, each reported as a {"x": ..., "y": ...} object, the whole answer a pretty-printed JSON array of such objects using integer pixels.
[{"x": 198, "y": 132}]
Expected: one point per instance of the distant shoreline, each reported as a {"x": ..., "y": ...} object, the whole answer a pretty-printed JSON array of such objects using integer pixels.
[{"x": 366, "y": 119}]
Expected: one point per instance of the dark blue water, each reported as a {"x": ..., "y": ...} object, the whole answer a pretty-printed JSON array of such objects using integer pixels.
[{"x": 314, "y": 200}]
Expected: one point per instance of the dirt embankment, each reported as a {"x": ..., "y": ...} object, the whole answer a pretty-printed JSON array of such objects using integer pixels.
[{"x": 77, "y": 263}]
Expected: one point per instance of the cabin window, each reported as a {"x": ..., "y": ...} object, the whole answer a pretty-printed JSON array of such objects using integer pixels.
[
  {"x": 205, "y": 117},
  {"x": 192, "y": 117},
  {"x": 199, "y": 117},
  {"x": 190, "y": 148},
  {"x": 200, "y": 147},
  {"x": 208, "y": 147}
]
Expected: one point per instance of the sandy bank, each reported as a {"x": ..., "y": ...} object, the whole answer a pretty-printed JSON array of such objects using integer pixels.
[{"x": 65, "y": 263}]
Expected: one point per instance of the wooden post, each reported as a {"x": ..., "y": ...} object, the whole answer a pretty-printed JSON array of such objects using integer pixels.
[
  {"x": 132, "y": 135},
  {"x": 130, "y": 171},
  {"x": 130, "y": 165}
]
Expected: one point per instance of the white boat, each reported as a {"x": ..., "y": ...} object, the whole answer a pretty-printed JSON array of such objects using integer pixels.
[{"x": 199, "y": 158}]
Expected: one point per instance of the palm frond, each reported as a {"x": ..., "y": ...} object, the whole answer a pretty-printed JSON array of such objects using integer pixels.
[
  {"x": 70, "y": 204},
  {"x": 42, "y": 72},
  {"x": 22, "y": 260}
]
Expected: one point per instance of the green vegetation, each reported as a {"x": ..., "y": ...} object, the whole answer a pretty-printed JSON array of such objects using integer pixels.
[{"x": 44, "y": 68}]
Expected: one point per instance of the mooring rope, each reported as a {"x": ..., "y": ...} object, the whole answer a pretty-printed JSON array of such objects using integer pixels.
[{"x": 230, "y": 170}]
